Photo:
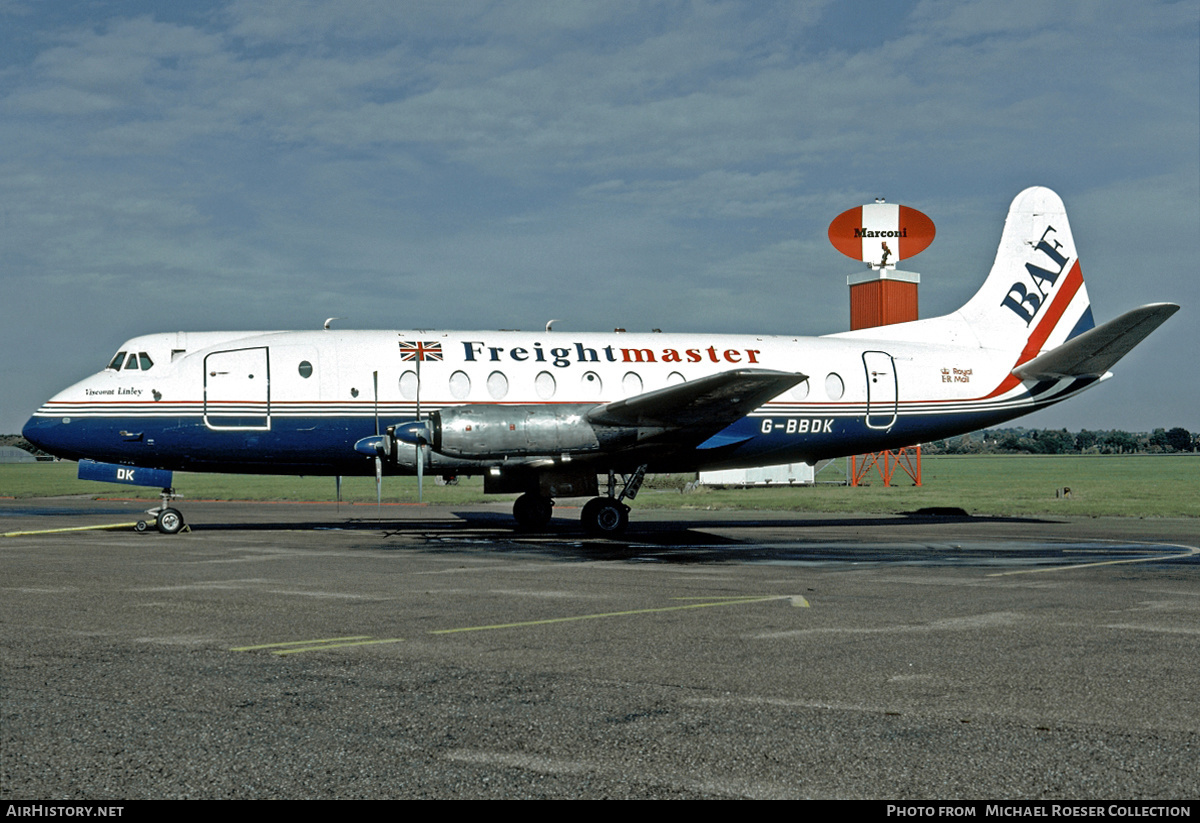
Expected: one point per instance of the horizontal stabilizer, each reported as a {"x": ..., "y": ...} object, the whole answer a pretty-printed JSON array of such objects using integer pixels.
[
  {"x": 710, "y": 402},
  {"x": 1095, "y": 351}
]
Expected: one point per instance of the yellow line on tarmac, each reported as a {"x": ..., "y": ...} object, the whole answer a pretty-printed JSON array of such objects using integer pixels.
[
  {"x": 73, "y": 529},
  {"x": 298, "y": 646},
  {"x": 725, "y": 602},
  {"x": 1190, "y": 551},
  {"x": 373, "y": 642},
  {"x": 300, "y": 643},
  {"x": 732, "y": 598},
  {"x": 797, "y": 600}
]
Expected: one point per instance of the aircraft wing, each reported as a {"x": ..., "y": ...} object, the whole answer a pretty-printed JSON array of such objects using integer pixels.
[
  {"x": 698, "y": 407},
  {"x": 1095, "y": 351}
]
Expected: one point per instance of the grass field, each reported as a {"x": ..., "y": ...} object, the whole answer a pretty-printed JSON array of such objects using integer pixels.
[{"x": 1101, "y": 485}]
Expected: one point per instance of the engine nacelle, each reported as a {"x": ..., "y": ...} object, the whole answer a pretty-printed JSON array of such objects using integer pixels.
[{"x": 482, "y": 432}]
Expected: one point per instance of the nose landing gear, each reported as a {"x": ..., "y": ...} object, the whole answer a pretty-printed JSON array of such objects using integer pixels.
[{"x": 167, "y": 520}]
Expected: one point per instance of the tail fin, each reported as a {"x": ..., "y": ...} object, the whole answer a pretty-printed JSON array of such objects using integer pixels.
[
  {"x": 1034, "y": 299},
  {"x": 1034, "y": 304}
]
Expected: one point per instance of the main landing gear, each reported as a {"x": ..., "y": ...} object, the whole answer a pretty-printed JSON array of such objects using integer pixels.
[
  {"x": 166, "y": 519},
  {"x": 609, "y": 516},
  {"x": 533, "y": 511},
  {"x": 604, "y": 516}
]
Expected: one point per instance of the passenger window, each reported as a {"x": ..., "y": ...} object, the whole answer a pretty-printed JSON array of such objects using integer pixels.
[
  {"x": 408, "y": 385},
  {"x": 834, "y": 387},
  {"x": 631, "y": 384},
  {"x": 593, "y": 387},
  {"x": 460, "y": 385},
  {"x": 145, "y": 360},
  {"x": 115, "y": 363},
  {"x": 497, "y": 385}
]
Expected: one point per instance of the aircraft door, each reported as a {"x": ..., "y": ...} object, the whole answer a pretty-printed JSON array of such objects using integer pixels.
[
  {"x": 882, "y": 389},
  {"x": 237, "y": 390}
]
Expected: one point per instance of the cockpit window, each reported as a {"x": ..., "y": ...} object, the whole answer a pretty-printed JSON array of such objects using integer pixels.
[{"x": 139, "y": 361}]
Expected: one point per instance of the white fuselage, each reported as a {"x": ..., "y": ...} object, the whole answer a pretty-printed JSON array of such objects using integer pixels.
[{"x": 296, "y": 402}]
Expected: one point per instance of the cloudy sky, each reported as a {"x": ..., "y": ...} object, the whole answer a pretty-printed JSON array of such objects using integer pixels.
[{"x": 226, "y": 165}]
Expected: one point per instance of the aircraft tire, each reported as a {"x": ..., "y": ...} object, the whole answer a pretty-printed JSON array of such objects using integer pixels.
[
  {"x": 170, "y": 521},
  {"x": 533, "y": 511},
  {"x": 605, "y": 516},
  {"x": 140, "y": 526}
]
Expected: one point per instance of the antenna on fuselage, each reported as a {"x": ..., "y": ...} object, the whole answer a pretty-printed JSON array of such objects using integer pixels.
[
  {"x": 549, "y": 324},
  {"x": 329, "y": 321}
]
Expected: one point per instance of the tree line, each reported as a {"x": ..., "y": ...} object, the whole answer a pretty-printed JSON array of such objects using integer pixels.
[{"x": 1050, "y": 441}]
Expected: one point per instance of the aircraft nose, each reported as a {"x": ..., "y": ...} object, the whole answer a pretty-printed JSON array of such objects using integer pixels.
[
  {"x": 32, "y": 432},
  {"x": 45, "y": 433}
]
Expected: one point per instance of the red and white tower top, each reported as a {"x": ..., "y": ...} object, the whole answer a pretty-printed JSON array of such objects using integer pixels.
[{"x": 881, "y": 234}]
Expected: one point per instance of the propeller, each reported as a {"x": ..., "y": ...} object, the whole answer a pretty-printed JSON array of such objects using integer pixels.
[
  {"x": 378, "y": 452},
  {"x": 420, "y": 473},
  {"x": 417, "y": 434},
  {"x": 377, "y": 446},
  {"x": 420, "y": 455},
  {"x": 384, "y": 444},
  {"x": 378, "y": 487}
]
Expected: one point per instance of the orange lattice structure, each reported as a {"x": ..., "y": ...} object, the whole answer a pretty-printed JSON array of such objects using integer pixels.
[{"x": 907, "y": 459}]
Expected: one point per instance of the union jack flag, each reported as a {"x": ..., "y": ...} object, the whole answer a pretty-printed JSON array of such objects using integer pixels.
[{"x": 416, "y": 350}]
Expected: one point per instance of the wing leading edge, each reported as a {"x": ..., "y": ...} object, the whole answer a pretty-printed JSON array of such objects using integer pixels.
[{"x": 694, "y": 411}]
